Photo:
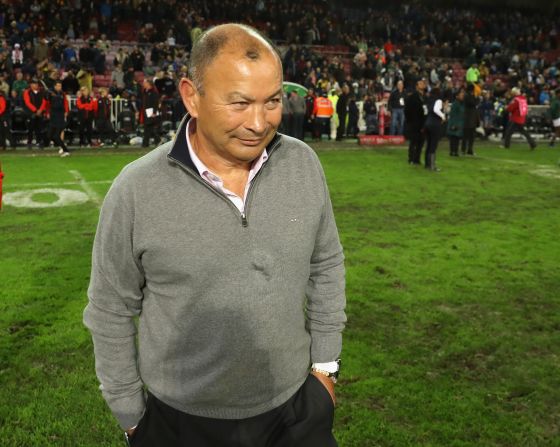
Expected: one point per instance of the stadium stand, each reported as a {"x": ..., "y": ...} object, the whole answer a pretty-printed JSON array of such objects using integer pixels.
[{"x": 324, "y": 47}]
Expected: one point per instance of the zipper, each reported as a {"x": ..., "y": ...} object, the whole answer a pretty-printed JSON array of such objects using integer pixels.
[{"x": 243, "y": 215}]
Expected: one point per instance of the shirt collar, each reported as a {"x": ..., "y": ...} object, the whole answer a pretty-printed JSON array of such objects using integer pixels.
[{"x": 203, "y": 169}]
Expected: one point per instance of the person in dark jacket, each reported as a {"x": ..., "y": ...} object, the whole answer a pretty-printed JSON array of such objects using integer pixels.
[
  {"x": 471, "y": 121},
  {"x": 86, "y": 107},
  {"x": 341, "y": 111},
  {"x": 456, "y": 122},
  {"x": 150, "y": 112},
  {"x": 353, "y": 115},
  {"x": 415, "y": 111},
  {"x": 57, "y": 122},
  {"x": 35, "y": 106},
  {"x": 434, "y": 120}
]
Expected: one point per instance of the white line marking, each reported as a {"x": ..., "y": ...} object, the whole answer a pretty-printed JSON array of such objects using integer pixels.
[
  {"x": 95, "y": 198},
  {"x": 27, "y": 185}
]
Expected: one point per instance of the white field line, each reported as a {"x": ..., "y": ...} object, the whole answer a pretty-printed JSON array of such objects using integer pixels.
[
  {"x": 76, "y": 182},
  {"x": 95, "y": 198}
]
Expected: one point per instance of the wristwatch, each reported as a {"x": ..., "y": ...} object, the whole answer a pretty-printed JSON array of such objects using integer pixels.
[{"x": 333, "y": 375}]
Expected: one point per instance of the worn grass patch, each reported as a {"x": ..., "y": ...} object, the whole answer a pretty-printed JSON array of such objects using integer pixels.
[{"x": 453, "y": 334}]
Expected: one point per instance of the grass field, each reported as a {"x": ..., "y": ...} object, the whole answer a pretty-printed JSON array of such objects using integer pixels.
[{"x": 453, "y": 335}]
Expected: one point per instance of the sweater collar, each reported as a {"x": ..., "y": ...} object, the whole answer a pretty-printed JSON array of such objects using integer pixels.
[{"x": 180, "y": 150}]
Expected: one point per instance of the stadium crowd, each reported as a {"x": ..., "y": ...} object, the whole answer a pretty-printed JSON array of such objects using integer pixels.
[{"x": 365, "y": 63}]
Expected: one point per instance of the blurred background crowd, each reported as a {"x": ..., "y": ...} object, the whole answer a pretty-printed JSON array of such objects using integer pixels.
[{"x": 365, "y": 60}]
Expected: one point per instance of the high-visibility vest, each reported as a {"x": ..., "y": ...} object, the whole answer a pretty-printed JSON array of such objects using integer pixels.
[{"x": 323, "y": 107}]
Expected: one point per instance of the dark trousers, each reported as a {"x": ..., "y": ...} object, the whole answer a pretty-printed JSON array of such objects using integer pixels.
[
  {"x": 454, "y": 145},
  {"x": 468, "y": 140},
  {"x": 150, "y": 131},
  {"x": 105, "y": 130},
  {"x": 54, "y": 135},
  {"x": 4, "y": 132},
  {"x": 36, "y": 127},
  {"x": 433, "y": 134},
  {"x": 341, "y": 129},
  {"x": 514, "y": 127},
  {"x": 297, "y": 125},
  {"x": 352, "y": 130},
  {"x": 85, "y": 130},
  {"x": 321, "y": 126},
  {"x": 415, "y": 144},
  {"x": 305, "y": 420}
]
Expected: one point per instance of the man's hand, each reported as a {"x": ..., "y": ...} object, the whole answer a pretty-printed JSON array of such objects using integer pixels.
[
  {"x": 327, "y": 383},
  {"x": 130, "y": 431}
]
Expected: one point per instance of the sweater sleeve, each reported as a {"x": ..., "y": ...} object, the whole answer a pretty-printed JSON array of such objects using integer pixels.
[
  {"x": 326, "y": 299},
  {"x": 115, "y": 299}
]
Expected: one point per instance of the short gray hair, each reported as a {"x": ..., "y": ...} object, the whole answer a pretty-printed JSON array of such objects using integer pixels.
[{"x": 250, "y": 41}]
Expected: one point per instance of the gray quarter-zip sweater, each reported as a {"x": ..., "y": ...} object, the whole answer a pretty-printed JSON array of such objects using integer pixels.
[{"x": 232, "y": 309}]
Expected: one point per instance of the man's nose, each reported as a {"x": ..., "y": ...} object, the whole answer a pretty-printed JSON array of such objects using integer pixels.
[{"x": 256, "y": 121}]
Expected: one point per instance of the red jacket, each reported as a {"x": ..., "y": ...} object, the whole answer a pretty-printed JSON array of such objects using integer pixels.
[
  {"x": 2, "y": 106},
  {"x": 34, "y": 101},
  {"x": 87, "y": 106},
  {"x": 517, "y": 109}
]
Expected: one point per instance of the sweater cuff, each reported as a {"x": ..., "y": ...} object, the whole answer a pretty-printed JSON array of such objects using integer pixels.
[{"x": 128, "y": 410}]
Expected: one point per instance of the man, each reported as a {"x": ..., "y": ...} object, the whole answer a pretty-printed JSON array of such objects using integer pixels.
[
  {"x": 396, "y": 109},
  {"x": 224, "y": 244},
  {"x": 415, "y": 111},
  {"x": 472, "y": 74},
  {"x": 323, "y": 111},
  {"x": 309, "y": 105},
  {"x": 471, "y": 121},
  {"x": 150, "y": 112},
  {"x": 555, "y": 116},
  {"x": 342, "y": 112},
  {"x": 20, "y": 84},
  {"x": 517, "y": 109},
  {"x": 35, "y": 106},
  {"x": 57, "y": 121},
  {"x": 297, "y": 106}
]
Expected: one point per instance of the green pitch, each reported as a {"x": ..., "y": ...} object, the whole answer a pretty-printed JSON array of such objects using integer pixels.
[{"x": 453, "y": 334}]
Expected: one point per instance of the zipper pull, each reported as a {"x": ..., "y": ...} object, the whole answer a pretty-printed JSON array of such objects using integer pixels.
[{"x": 244, "y": 222}]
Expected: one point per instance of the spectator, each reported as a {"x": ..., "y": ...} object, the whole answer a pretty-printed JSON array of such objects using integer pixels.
[
  {"x": 322, "y": 112},
  {"x": 85, "y": 78},
  {"x": 150, "y": 113},
  {"x": 58, "y": 112},
  {"x": 456, "y": 122},
  {"x": 117, "y": 76},
  {"x": 471, "y": 121},
  {"x": 17, "y": 56},
  {"x": 473, "y": 74},
  {"x": 70, "y": 84},
  {"x": 396, "y": 109},
  {"x": 436, "y": 116},
  {"x": 415, "y": 111},
  {"x": 35, "y": 106},
  {"x": 353, "y": 115},
  {"x": 517, "y": 109},
  {"x": 4, "y": 121},
  {"x": 103, "y": 124},
  {"x": 297, "y": 106},
  {"x": 555, "y": 116},
  {"x": 86, "y": 105},
  {"x": 342, "y": 111}
]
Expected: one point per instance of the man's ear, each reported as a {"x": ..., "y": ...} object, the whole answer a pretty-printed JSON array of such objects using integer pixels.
[{"x": 190, "y": 96}]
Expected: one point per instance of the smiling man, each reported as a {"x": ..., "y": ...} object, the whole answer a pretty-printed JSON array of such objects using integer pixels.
[{"x": 224, "y": 245}]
